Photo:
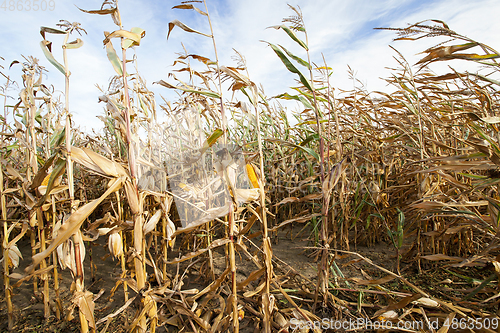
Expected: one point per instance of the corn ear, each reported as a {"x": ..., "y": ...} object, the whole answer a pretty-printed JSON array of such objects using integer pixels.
[
  {"x": 115, "y": 244},
  {"x": 151, "y": 224}
]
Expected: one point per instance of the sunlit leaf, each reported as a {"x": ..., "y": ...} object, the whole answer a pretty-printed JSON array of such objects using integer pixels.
[
  {"x": 113, "y": 58},
  {"x": 294, "y": 57},
  {"x": 190, "y": 6},
  {"x": 291, "y": 67},
  {"x": 74, "y": 44},
  {"x": 292, "y": 35}
]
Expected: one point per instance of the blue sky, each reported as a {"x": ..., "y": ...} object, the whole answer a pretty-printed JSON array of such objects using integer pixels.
[{"x": 340, "y": 30}]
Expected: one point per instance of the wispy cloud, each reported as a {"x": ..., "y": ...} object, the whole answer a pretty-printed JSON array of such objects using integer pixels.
[{"x": 341, "y": 31}]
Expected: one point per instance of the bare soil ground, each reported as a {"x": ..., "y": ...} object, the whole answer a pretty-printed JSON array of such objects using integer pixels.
[{"x": 292, "y": 258}]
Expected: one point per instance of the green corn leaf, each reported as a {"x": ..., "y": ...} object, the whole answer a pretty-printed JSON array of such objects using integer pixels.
[
  {"x": 311, "y": 122},
  {"x": 291, "y": 67},
  {"x": 287, "y": 96},
  {"x": 483, "y": 284},
  {"x": 301, "y": 99},
  {"x": 309, "y": 96},
  {"x": 294, "y": 57},
  {"x": 493, "y": 144},
  {"x": 45, "y": 44},
  {"x": 212, "y": 139},
  {"x": 58, "y": 137},
  {"x": 400, "y": 233},
  {"x": 292, "y": 35},
  {"x": 299, "y": 147},
  {"x": 474, "y": 56},
  {"x": 488, "y": 79},
  {"x": 468, "y": 175},
  {"x": 247, "y": 95},
  {"x": 113, "y": 58},
  {"x": 310, "y": 138}
]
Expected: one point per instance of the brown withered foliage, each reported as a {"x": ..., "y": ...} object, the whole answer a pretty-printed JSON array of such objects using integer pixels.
[{"x": 202, "y": 187}]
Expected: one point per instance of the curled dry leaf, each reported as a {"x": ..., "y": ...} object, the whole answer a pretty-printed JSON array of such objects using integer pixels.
[
  {"x": 14, "y": 255},
  {"x": 383, "y": 280},
  {"x": 84, "y": 301},
  {"x": 184, "y": 27},
  {"x": 216, "y": 243},
  {"x": 280, "y": 320},
  {"x": 309, "y": 197},
  {"x": 425, "y": 301},
  {"x": 105, "y": 231},
  {"x": 388, "y": 315},
  {"x": 300, "y": 219}
]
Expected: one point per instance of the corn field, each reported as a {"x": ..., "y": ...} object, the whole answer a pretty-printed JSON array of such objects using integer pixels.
[{"x": 225, "y": 211}]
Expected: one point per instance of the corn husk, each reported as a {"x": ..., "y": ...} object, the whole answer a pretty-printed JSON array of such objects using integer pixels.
[{"x": 115, "y": 244}]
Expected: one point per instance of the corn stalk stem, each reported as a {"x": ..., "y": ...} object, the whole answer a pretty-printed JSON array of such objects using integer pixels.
[
  {"x": 122, "y": 256},
  {"x": 322, "y": 267},
  {"x": 138, "y": 233},
  {"x": 32, "y": 161},
  {"x": 6, "y": 280},
  {"x": 59, "y": 309},
  {"x": 79, "y": 282},
  {"x": 45, "y": 278},
  {"x": 231, "y": 211},
  {"x": 266, "y": 242},
  {"x": 232, "y": 263}
]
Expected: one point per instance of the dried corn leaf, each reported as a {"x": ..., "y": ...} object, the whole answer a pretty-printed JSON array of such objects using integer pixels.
[
  {"x": 374, "y": 282},
  {"x": 84, "y": 301},
  {"x": 209, "y": 215},
  {"x": 309, "y": 197},
  {"x": 74, "y": 222},
  {"x": 213, "y": 245},
  {"x": 439, "y": 256},
  {"x": 14, "y": 255},
  {"x": 97, "y": 163},
  {"x": 184, "y": 27},
  {"x": 300, "y": 219},
  {"x": 214, "y": 285},
  {"x": 252, "y": 277}
]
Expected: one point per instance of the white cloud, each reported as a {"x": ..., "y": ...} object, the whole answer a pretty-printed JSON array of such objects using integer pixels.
[{"x": 340, "y": 30}]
